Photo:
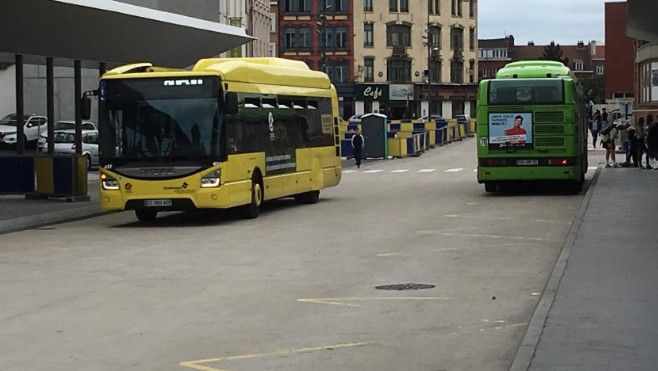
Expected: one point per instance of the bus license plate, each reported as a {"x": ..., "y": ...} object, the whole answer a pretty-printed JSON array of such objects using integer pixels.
[
  {"x": 157, "y": 203},
  {"x": 527, "y": 162}
]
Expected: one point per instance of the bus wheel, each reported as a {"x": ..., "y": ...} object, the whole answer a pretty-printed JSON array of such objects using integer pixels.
[
  {"x": 311, "y": 197},
  {"x": 145, "y": 215},
  {"x": 252, "y": 209},
  {"x": 490, "y": 187}
]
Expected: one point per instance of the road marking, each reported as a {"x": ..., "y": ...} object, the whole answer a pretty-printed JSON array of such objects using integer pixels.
[
  {"x": 373, "y": 171},
  {"x": 197, "y": 365},
  {"x": 341, "y": 301},
  {"x": 349, "y": 171},
  {"x": 426, "y": 170},
  {"x": 454, "y": 170},
  {"x": 400, "y": 171},
  {"x": 485, "y": 235},
  {"x": 506, "y": 218}
]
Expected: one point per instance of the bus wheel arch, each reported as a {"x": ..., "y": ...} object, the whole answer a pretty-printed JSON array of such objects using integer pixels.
[{"x": 252, "y": 209}]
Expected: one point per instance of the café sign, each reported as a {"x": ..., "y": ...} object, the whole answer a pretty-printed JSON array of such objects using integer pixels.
[{"x": 372, "y": 92}]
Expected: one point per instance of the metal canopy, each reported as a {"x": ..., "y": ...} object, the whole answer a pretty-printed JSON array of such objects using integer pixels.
[
  {"x": 641, "y": 21},
  {"x": 108, "y": 31}
]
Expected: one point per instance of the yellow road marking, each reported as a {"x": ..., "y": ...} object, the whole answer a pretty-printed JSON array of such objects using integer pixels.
[
  {"x": 341, "y": 301},
  {"x": 197, "y": 365}
]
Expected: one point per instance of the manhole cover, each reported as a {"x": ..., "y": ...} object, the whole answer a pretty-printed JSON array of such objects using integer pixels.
[{"x": 406, "y": 286}]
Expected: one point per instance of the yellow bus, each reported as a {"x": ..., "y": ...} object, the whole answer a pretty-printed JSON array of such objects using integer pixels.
[{"x": 232, "y": 132}]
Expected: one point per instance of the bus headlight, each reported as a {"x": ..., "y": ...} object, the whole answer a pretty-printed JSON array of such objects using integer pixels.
[
  {"x": 108, "y": 182},
  {"x": 212, "y": 179}
]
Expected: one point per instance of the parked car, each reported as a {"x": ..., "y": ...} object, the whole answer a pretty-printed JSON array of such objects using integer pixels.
[
  {"x": 65, "y": 144},
  {"x": 33, "y": 125},
  {"x": 70, "y": 125},
  {"x": 356, "y": 119}
]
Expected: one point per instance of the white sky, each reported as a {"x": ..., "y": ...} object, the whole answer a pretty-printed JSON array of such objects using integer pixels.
[{"x": 564, "y": 21}]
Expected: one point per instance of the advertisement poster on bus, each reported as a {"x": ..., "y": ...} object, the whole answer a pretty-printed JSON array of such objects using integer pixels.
[{"x": 512, "y": 129}]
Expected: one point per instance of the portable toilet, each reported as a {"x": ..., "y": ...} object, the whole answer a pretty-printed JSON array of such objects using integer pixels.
[{"x": 374, "y": 130}]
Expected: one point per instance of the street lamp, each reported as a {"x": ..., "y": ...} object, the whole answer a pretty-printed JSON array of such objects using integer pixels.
[{"x": 323, "y": 37}]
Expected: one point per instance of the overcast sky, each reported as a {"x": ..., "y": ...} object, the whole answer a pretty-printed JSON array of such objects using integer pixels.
[{"x": 542, "y": 21}]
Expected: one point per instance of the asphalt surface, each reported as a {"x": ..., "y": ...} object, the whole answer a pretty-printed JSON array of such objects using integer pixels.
[{"x": 598, "y": 310}]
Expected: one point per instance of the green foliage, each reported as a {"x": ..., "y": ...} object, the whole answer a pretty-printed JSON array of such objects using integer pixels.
[
  {"x": 594, "y": 89},
  {"x": 553, "y": 52}
]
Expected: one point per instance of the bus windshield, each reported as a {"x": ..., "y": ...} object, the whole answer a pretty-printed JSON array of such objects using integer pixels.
[
  {"x": 526, "y": 91},
  {"x": 155, "y": 119}
]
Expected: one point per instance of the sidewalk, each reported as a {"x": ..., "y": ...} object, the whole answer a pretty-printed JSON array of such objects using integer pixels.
[
  {"x": 598, "y": 311},
  {"x": 18, "y": 213}
]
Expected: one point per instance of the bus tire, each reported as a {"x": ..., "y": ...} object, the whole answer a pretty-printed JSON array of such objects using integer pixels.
[
  {"x": 490, "y": 187},
  {"x": 308, "y": 198},
  {"x": 146, "y": 215},
  {"x": 252, "y": 209}
]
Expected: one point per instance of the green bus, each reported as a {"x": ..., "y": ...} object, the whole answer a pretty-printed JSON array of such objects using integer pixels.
[{"x": 531, "y": 126}]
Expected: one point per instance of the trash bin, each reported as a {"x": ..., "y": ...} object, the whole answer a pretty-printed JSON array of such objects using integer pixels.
[{"x": 374, "y": 129}]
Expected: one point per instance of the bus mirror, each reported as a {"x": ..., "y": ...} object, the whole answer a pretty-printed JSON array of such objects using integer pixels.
[
  {"x": 85, "y": 107},
  {"x": 231, "y": 103}
]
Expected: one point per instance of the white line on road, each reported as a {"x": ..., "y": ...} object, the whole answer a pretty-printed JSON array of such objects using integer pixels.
[
  {"x": 372, "y": 171},
  {"x": 454, "y": 170},
  {"x": 400, "y": 171},
  {"x": 426, "y": 170}
]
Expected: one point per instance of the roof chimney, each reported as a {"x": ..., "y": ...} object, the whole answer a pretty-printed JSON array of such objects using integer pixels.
[
  {"x": 580, "y": 44},
  {"x": 531, "y": 43}
]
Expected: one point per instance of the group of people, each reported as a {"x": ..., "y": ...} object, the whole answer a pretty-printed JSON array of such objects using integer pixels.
[{"x": 642, "y": 138}]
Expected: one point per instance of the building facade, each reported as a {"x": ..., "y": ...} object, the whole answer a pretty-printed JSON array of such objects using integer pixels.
[
  {"x": 320, "y": 34},
  {"x": 405, "y": 59},
  {"x": 619, "y": 61},
  {"x": 415, "y": 58}
]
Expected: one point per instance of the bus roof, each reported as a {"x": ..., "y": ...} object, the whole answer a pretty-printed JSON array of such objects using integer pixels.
[
  {"x": 534, "y": 69},
  {"x": 271, "y": 71}
]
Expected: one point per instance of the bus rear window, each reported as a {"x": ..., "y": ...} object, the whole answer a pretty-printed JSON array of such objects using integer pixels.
[{"x": 526, "y": 91}]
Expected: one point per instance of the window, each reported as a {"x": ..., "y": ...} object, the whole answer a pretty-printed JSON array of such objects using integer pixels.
[
  {"x": 272, "y": 50},
  {"x": 297, "y": 6},
  {"x": 435, "y": 37},
  {"x": 368, "y": 69},
  {"x": 404, "y": 6},
  {"x": 471, "y": 38},
  {"x": 434, "y": 7},
  {"x": 304, "y": 39},
  {"x": 341, "y": 38},
  {"x": 399, "y": 70},
  {"x": 457, "y": 72},
  {"x": 435, "y": 70},
  {"x": 329, "y": 39},
  {"x": 340, "y": 6},
  {"x": 485, "y": 72},
  {"x": 272, "y": 22},
  {"x": 457, "y": 8},
  {"x": 398, "y": 35},
  {"x": 367, "y": 5},
  {"x": 578, "y": 65},
  {"x": 471, "y": 8},
  {"x": 368, "y": 34},
  {"x": 599, "y": 70},
  {"x": 471, "y": 71},
  {"x": 289, "y": 38},
  {"x": 456, "y": 38},
  {"x": 393, "y": 6}
]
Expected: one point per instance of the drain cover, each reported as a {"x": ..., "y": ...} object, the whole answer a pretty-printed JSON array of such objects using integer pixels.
[{"x": 406, "y": 286}]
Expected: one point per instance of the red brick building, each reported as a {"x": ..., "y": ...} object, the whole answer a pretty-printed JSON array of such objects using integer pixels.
[{"x": 620, "y": 56}]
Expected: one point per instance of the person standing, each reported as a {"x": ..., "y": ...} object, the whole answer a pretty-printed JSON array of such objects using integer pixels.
[
  {"x": 604, "y": 118},
  {"x": 595, "y": 126},
  {"x": 358, "y": 141},
  {"x": 641, "y": 147},
  {"x": 652, "y": 138},
  {"x": 608, "y": 140}
]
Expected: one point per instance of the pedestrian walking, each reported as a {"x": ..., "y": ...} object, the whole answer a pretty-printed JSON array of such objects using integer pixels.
[
  {"x": 631, "y": 153},
  {"x": 358, "y": 141}
]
